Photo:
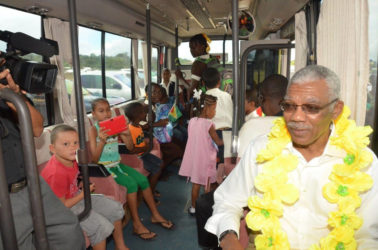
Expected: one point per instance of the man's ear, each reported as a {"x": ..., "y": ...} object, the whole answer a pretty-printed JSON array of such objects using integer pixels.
[{"x": 338, "y": 109}]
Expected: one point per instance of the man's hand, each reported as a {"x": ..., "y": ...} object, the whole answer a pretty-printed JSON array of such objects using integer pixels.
[
  {"x": 231, "y": 242},
  {"x": 179, "y": 75},
  {"x": 11, "y": 84}
]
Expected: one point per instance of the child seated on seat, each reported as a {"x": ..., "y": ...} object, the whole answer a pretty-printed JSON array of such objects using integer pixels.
[
  {"x": 61, "y": 174},
  {"x": 200, "y": 157},
  {"x": 104, "y": 150},
  {"x": 136, "y": 113},
  {"x": 224, "y": 110}
]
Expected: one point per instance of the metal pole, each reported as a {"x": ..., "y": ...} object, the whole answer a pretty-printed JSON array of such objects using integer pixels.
[
  {"x": 103, "y": 64},
  {"x": 224, "y": 50},
  {"x": 82, "y": 153},
  {"x": 176, "y": 58},
  {"x": 31, "y": 171},
  {"x": 235, "y": 75},
  {"x": 132, "y": 73},
  {"x": 148, "y": 26}
]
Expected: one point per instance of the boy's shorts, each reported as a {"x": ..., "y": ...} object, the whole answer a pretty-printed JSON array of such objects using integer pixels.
[
  {"x": 151, "y": 163},
  {"x": 99, "y": 223}
]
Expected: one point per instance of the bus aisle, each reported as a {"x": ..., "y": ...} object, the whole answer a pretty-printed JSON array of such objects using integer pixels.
[{"x": 174, "y": 204}]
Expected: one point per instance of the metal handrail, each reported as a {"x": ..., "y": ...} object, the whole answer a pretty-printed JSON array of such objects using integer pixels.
[
  {"x": 32, "y": 176},
  {"x": 83, "y": 151},
  {"x": 148, "y": 30},
  {"x": 235, "y": 75}
]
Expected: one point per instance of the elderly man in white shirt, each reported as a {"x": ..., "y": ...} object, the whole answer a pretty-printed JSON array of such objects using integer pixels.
[{"x": 317, "y": 174}]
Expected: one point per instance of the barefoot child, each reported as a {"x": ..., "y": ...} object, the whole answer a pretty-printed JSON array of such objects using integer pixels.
[
  {"x": 200, "y": 157},
  {"x": 61, "y": 174},
  {"x": 104, "y": 150}
]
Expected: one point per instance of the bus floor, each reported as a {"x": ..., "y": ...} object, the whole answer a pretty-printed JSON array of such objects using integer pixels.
[{"x": 174, "y": 204}]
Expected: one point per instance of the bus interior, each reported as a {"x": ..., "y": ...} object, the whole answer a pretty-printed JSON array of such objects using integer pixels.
[{"x": 121, "y": 46}]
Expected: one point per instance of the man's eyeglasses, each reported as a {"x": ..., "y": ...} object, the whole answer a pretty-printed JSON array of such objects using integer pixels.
[{"x": 306, "y": 108}]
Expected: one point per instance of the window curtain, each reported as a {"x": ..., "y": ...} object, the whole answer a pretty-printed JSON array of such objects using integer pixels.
[
  {"x": 301, "y": 45},
  {"x": 59, "y": 31},
  {"x": 342, "y": 45},
  {"x": 134, "y": 44}
]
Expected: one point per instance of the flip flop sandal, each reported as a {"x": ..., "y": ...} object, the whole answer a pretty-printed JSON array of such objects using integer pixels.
[
  {"x": 163, "y": 223},
  {"x": 139, "y": 235}
]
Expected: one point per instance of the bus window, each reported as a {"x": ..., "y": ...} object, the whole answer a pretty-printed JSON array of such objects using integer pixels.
[
  {"x": 141, "y": 75},
  {"x": 265, "y": 62},
  {"x": 216, "y": 48},
  {"x": 117, "y": 68},
  {"x": 154, "y": 64},
  {"x": 373, "y": 52}
]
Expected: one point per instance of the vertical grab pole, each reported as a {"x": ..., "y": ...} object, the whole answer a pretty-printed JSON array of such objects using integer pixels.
[
  {"x": 82, "y": 152},
  {"x": 148, "y": 31},
  {"x": 235, "y": 75},
  {"x": 176, "y": 58},
  {"x": 224, "y": 51},
  {"x": 31, "y": 171}
]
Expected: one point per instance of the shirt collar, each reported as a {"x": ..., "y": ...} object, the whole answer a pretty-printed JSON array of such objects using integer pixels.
[
  {"x": 209, "y": 91},
  {"x": 250, "y": 116}
]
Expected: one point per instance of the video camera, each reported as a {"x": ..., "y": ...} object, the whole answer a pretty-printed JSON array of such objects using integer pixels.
[{"x": 33, "y": 77}]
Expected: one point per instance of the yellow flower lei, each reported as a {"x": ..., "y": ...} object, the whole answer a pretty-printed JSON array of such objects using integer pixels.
[{"x": 347, "y": 181}]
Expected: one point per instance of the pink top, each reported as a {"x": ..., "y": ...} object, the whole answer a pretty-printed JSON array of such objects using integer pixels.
[
  {"x": 200, "y": 157},
  {"x": 61, "y": 179}
]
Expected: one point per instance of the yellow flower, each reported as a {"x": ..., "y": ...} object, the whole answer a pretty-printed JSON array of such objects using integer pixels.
[
  {"x": 272, "y": 238},
  {"x": 264, "y": 212},
  {"x": 273, "y": 149},
  {"x": 276, "y": 187},
  {"x": 314, "y": 247},
  {"x": 353, "y": 138},
  {"x": 281, "y": 164},
  {"x": 361, "y": 159},
  {"x": 279, "y": 129},
  {"x": 342, "y": 121},
  {"x": 341, "y": 238},
  {"x": 347, "y": 187},
  {"x": 347, "y": 218}
]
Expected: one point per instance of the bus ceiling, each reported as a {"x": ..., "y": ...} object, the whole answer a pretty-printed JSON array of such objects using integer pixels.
[{"x": 127, "y": 18}]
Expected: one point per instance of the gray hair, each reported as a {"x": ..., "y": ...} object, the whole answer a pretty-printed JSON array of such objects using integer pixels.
[{"x": 314, "y": 73}]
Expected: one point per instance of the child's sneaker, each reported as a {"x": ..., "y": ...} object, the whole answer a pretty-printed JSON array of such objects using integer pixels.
[{"x": 192, "y": 211}]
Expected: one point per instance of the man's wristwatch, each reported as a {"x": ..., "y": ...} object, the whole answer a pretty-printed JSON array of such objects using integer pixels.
[{"x": 225, "y": 233}]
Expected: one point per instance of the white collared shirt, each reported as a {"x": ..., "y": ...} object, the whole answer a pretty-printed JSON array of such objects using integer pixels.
[
  {"x": 252, "y": 128},
  {"x": 166, "y": 87},
  {"x": 305, "y": 222},
  {"x": 224, "y": 109}
]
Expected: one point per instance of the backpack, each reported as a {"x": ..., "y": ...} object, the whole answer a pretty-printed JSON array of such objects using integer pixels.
[{"x": 226, "y": 76}]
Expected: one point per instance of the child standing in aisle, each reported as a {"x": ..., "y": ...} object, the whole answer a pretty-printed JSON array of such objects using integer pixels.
[{"x": 200, "y": 157}]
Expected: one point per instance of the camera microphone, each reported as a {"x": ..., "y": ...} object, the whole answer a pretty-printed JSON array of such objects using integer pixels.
[{"x": 27, "y": 44}]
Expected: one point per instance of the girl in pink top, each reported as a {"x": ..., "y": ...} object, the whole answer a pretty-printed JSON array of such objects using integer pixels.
[{"x": 200, "y": 157}]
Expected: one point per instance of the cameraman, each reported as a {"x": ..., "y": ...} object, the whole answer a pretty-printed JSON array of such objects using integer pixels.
[{"x": 62, "y": 226}]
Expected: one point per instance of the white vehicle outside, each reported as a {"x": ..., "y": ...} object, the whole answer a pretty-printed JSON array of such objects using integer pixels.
[{"x": 117, "y": 83}]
